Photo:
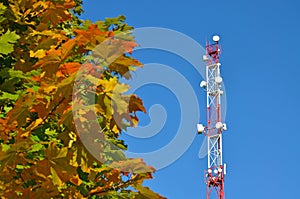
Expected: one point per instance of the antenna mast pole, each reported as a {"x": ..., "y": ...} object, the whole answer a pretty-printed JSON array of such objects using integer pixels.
[{"x": 214, "y": 175}]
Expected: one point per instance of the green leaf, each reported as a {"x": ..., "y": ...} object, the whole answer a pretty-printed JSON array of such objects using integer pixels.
[
  {"x": 2, "y": 19},
  {"x": 5, "y": 95},
  {"x": 5, "y": 147},
  {"x": 2, "y": 8},
  {"x": 16, "y": 73},
  {"x": 36, "y": 147},
  {"x": 51, "y": 133},
  {"x": 116, "y": 21},
  {"x": 7, "y": 42},
  {"x": 35, "y": 138},
  {"x": 20, "y": 166}
]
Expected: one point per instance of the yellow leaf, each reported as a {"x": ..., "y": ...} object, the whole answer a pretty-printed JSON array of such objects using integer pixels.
[
  {"x": 38, "y": 54},
  {"x": 55, "y": 179},
  {"x": 115, "y": 129},
  {"x": 108, "y": 85},
  {"x": 121, "y": 88},
  {"x": 34, "y": 124},
  {"x": 50, "y": 89},
  {"x": 73, "y": 161}
]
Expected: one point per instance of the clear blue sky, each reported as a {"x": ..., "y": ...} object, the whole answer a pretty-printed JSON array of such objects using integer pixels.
[{"x": 261, "y": 71}]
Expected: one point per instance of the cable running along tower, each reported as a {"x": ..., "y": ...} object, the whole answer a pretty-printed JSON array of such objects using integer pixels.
[{"x": 216, "y": 171}]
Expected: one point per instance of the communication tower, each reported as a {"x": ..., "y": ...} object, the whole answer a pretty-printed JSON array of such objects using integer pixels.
[{"x": 216, "y": 170}]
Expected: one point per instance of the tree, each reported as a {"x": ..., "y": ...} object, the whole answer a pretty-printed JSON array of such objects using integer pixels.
[{"x": 44, "y": 48}]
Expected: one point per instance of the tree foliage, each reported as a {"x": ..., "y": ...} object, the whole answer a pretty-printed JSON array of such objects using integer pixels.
[{"x": 43, "y": 47}]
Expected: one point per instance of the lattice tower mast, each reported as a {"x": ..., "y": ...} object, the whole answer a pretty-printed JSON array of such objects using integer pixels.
[{"x": 214, "y": 175}]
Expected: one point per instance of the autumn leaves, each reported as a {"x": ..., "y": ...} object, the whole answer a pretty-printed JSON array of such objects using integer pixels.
[{"x": 60, "y": 91}]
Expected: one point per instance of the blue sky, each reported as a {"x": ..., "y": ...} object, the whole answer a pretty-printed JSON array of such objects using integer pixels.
[{"x": 260, "y": 68}]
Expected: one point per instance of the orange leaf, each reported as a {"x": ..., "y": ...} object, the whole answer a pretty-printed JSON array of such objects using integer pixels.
[
  {"x": 56, "y": 13},
  {"x": 76, "y": 180},
  {"x": 69, "y": 4},
  {"x": 129, "y": 46},
  {"x": 67, "y": 48},
  {"x": 136, "y": 104},
  {"x": 49, "y": 63},
  {"x": 69, "y": 68},
  {"x": 93, "y": 35}
]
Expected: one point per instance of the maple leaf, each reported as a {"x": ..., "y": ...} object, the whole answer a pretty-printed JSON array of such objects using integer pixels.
[
  {"x": 133, "y": 165},
  {"x": 57, "y": 164},
  {"x": 122, "y": 65},
  {"x": 2, "y": 9},
  {"x": 69, "y": 4},
  {"x": 40, "y": 107},
  {"x": 136, "y": 104},
  {"x": 67, "y": 120},
  {"x": 6, "y": 128},
  {"x": 56, "y": 13},
  {"x": 7, "y": 42},
  {"x": 21, "y": 111},
  {"x": 145, "y": 192},
  {"x": 129, "y": 46},
  {"x": 14, "y": 155},
  {"x": 49, "y": 63},
  {"x": 66, "y": 49},
  {"x": 90, "y": 37},
  {"x": 69, "y": 68},
  {"x": 38, "y": 54}
]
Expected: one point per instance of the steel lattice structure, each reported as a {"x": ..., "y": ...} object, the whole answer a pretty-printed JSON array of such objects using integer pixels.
[{"x": 214, "y": 175}]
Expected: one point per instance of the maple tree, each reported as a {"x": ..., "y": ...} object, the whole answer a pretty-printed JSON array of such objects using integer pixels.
[{"x": 44, "y": 48}]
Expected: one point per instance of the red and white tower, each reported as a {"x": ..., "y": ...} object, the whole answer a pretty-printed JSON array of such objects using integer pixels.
[{"x": 215, "y": 173}]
